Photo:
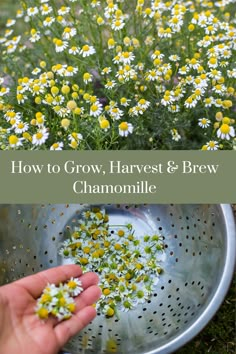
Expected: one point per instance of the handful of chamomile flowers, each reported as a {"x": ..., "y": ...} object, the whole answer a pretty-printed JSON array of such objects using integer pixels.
[{"x": 58, "y": 301}]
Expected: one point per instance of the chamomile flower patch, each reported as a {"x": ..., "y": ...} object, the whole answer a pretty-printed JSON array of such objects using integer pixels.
[
  {"x": 155, "y": 73},
  {"x": 128, "y": 264}
]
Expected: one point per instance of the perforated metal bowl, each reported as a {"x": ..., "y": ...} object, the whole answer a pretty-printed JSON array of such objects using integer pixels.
[{"x": 198, "y": 267}]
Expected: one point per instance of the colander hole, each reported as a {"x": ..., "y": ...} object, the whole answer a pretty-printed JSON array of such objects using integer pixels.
[
  {"x": 176, "y": 260},
  {"x": 154, "y": 312},
  {"x": 194, "y": 225},
  {"x": 158, "y": 219},
  {"x": 109, "y": 330},
  {"x": 169, "y": 296},
  {"x": 156, "y": 334},
  {"x": 169, "y": 325},
  {"x": 193, "y": 313},
  {"x": 180, "y": 217},
  {"x": 186, "y": 321},
  {"x": 187, "y": 218},
  {"x": 172, "y": 225},
  {"x": 163, "y": 314},
  {"x": 171, "y": 214},
  {"x": 177, "y": 289},
  {"x": 160, "y": 228},
  {"x": 194, "y": 254},
  {"x": 186, "y": 250},
  {"x": 171, "y": 253},
  {"x": 151, "y": 320},
  {"x": 162, "y": 287},
  {"x": 187, "y": 227},
  {"x": 155, "y": 294},
  {"x": 165, "y": 333},
  {"x": 187, "y": 237},
  {"x": 150, "y": 332},
  {"x": 171, "y": 310},
  {"x": 213, "y": 224},
  {"x": 51, "y": 261},
  {"x": 161, "y": 304},
  {"x": 211, "y": 237},
  {"x": 45, "y": 226},
  {"x": 140, "y": 316},
  {"x": 46, "y": 252},
  {"x": 144, "y": 309},
  {"x": 175, "y": 236},
  {"x": 200, "y": 253},
  {"x": 35, "y": 257},
  {"x": 53, "y": 238},
  {"x": 100, "y": 326},
  {"x": 202, "y": 295},
  {"x": 180, "y": 244}
]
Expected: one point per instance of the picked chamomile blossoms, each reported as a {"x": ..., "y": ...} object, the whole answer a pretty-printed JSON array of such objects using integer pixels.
[
  {"x": 115, "y": 74},
  {"x": 128, "y": 264},
  {"x": 58, "y": 301}
]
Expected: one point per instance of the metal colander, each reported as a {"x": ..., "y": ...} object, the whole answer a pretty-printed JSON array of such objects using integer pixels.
[{"x": 200, "y": 254}]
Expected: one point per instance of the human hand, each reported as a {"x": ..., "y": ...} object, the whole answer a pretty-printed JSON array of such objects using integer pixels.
[{"x": 22, "y": 332}]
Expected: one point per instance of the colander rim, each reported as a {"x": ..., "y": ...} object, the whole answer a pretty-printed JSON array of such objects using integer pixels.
[{"x": 219, "y": 296}]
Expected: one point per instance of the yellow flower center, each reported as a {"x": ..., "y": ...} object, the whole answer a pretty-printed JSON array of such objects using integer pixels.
[
  {"x": 104, "y": 124},
  {"x": 123, "y": 126},
  {"x": 39, "y": 136},
  {"x": 13, "y": 140},
  {"x": 225, "y": 128}
]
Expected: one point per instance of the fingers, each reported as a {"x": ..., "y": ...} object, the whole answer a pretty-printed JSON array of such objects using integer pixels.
[
  {"x": 88, "y": 297},
  {"x": 85, "y": 313},
  {"x": 65, "y": 330},
  {"x": 35, "y": 284}
]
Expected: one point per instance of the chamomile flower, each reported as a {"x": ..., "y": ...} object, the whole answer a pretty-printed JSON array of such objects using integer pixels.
[
  {"x": 74, "y": 287},
  {"x": 96, "y": 109},
  {"x": 125, "y": 129},
  {"x": 40, "y": 137},
  {"x": 212, "y": 145},
  {"x": 14, "y": 141},
  {"x": 87, "y": 50},
  {"x": 104, "y": 123},
  {"x": 225, "y": 132},
  {"x": 57, "y": 146},
  {"x": 74, "y": 50},
  {"x": 204, "y": 122},
  {"x": 21, "y": 127},
  {"x": 60, "y": 45}
]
